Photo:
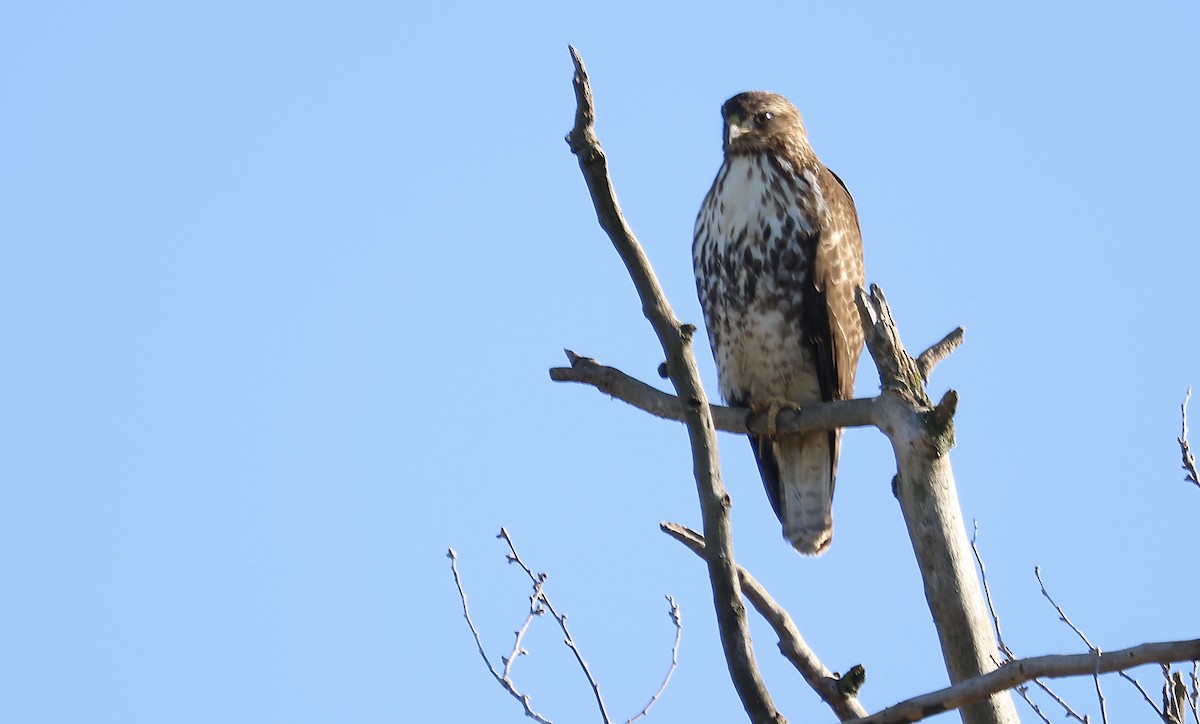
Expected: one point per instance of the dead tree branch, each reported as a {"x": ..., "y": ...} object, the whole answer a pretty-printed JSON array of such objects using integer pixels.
[
  {"x": 922, "y": 435},
  {"x": 615, "y": 383},
  {"x": 929, "y": 359},
  {"x": 676, "y": 340},
  {"x": 860, "y": 412},
  {"x": 1018, "y": 671},
  {"x": 791, "y": 643}
]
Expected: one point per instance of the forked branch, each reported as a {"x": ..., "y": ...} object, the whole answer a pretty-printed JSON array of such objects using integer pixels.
[{"x": 539, "y": 605}]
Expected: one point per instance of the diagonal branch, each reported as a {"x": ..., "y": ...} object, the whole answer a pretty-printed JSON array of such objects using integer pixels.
[
  {"x": 930, "y": 358},
  {"x": 791, "y": 643},
  {"x": 676, "y": 341},
  {"x": 677, "y": 619},
  {"x": 1062, "y": 615},
  {"x": 1018, "y": 671},
  {"x": 1023, "y": 691}
]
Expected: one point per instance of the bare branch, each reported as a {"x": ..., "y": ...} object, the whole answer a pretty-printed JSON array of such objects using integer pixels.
[
  {"x": 1023, "y": 691},
  {"x": 535, "y": 610},
  {"x": 897, "y": 370},
  {"x": 987, "y": 592},
  {"x": 1019, "y": 671},
  {"x": 503, "y": 680},
  {"x": 1067, "y": 710},
  {"x": 677, "y": 619},
  {"x": 1138, "y": 685},
  {"x": 540, "y": 595},
  {"x": 676, "y": 341},
  {"x": 930, "y": 358},
  {"x": 922, "y": 436},
  {"x": 1189, "y": 460},
  {"x": 615, "y": 383},
  {"x": 1100, "y": 695},
  {"x": 791, "y": 643},
  {"x": 1062, "y": 615}
]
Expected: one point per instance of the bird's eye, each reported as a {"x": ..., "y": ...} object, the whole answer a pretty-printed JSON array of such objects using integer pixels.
[{"x": 761, "y": 119}]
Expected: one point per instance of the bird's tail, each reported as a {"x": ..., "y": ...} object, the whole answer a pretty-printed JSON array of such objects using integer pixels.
[{"x": 799, "y": 473}]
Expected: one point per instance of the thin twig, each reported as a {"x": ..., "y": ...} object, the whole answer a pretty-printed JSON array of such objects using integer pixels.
[
  {"x": 677, "y": 619},
  {"x": 1062, "y": 615},
  {"x": 538, "y": 579},
  {"x": 535, "y": 610},
  {"x": 1100, "y": 692},
  {"x": 1189, "y": 460},
  {"x": 987, "y": 593},
  {"x": 1023, "y": 691},
  {"x": 503, "y": 680},
  {"x": 1004, "y": 649},
  {"x": 1138, "y": 685},
  {"x": 1067, "y": 710}
]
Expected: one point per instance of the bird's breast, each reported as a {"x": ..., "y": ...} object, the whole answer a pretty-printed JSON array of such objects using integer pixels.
[{"x": 753, "y": 239}]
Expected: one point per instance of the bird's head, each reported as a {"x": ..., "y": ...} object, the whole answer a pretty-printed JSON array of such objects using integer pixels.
[{"x": 757, "y": 121}]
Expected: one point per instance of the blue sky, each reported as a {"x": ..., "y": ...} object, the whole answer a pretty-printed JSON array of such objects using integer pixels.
[{"x": 281, "y": 283}]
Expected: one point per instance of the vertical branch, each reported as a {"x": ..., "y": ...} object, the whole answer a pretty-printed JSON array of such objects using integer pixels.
[
  {"x": 1189, "y": 460},
  {"x": 676, "y": 341},
  {"x": 931, "y": 509},
  {"x": 921, "y": 435}
]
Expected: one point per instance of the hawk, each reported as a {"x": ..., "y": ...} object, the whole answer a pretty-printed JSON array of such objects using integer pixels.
[{"x": 778, "y": 257}]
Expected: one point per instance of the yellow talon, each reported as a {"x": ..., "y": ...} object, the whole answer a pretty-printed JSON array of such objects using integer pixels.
[{"x": 772, "y": 407}]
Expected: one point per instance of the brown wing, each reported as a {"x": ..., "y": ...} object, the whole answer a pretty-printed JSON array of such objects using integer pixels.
[
  {"x": 831, "y": 321},
  {"x": 837, "y": 273}
]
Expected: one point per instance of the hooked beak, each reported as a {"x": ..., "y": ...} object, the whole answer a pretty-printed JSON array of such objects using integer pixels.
[{"x": 735, "y": 127}]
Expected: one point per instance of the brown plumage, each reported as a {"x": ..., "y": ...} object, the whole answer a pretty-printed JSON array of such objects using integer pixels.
[{"x": 778, "y": 256}]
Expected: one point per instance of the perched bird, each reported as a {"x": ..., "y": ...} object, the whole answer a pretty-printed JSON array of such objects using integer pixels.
[{"x": 778, "y": 256}]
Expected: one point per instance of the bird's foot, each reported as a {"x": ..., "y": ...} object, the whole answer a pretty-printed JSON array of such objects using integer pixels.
[{"x": 772, "y": 407}]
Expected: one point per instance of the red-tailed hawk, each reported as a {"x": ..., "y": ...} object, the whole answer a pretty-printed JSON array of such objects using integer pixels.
[{"x": 778, "y": 256}]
